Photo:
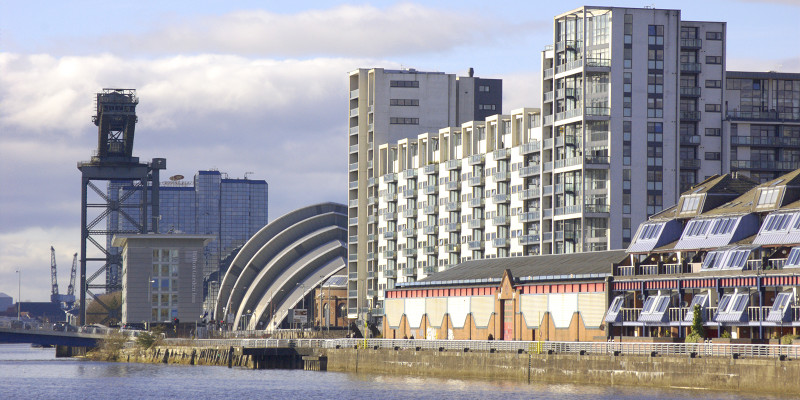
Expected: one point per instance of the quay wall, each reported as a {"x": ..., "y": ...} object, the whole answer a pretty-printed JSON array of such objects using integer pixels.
[
  {"x": 763, "y": 375},
  {"x": 714, "y": 373}
]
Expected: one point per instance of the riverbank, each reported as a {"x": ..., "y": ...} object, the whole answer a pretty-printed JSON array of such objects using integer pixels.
[{"x": 754, "y": 375}]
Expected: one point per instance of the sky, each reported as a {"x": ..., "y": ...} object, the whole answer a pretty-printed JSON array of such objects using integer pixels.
[{"x": 255, "y": 86}]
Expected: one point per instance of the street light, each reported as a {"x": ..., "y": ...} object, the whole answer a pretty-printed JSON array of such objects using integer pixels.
[
  {"x": 19, "y": 291},
  {"x": 303, "y": 294}
]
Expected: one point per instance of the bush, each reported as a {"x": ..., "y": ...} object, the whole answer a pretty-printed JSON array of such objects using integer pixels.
[
  {"x": 694, "y": 338},
  {"x": 725, "y": 335},
  {"x": 147, "y": 340},
  {"x": 788, "y": 339}
]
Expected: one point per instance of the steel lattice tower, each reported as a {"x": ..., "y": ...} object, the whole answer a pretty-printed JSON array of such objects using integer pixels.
[{"x": 113, "y": 161}]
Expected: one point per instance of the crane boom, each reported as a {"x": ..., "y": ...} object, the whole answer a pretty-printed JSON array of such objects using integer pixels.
[
  {"x": 71, "y": 288},
  {"x": 53, "y": 274}
]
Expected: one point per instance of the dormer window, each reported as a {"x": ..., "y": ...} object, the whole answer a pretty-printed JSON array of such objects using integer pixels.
[
  {"x": 768, "y": 197},
  {"x": 691, "y": 203}
]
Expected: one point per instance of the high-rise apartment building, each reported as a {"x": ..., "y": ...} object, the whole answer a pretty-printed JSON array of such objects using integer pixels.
[
  {"x": 763, "y": 123},
  {"x": 386, "y": 106},
  {"x": 232, "y": 210}
]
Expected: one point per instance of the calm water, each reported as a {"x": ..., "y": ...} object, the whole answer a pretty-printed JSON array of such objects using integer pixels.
[{"x": 28, "y": 373}]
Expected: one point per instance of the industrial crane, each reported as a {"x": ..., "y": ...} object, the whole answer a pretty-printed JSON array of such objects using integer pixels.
[
  {"x": 53, "y": 276},
  {"x": 71, "y": 288}
]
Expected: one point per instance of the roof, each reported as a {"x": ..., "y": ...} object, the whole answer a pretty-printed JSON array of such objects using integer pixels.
[
  {"x": 716, "y": 189},
  {"x": 762, "y": 75},
  {"x": 549, "y": 267},
  {"x": 336, "y": 281}
]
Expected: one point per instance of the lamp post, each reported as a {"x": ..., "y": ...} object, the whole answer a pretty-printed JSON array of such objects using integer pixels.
[
  {"x": 19, "y": 292},
  {"x": 303, "y": 294}
]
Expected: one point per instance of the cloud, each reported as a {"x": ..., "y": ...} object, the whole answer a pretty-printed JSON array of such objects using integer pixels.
[{"x": 346, "y": 30}]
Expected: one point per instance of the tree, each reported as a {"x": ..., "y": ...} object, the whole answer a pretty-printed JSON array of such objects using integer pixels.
[
  {"x": 106, "y": 309},
  {"x": 698, "y": 330}
]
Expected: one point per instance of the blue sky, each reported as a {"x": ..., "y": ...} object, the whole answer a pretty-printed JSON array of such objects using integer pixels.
[{"x": 256, "y": 86}]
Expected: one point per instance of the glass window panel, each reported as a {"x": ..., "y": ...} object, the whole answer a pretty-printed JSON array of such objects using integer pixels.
[
  {"x": 722, "y": 306},
  {"x": 164, "y": 269},
  {"x": 648, "y": 304},
  {"x": 174, "y": 300},
  {"x": 164, "y": 284},
  {"x": 154, "y": 315}
]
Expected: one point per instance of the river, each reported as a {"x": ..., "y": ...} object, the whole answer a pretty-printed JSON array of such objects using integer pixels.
[{"x": 32, "y": 373}]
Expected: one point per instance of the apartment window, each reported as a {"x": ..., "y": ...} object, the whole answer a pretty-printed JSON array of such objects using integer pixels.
[
  {"x": 655, "y": 131},
  {"x": 626, "y": 179},
  {"x": 713, "y": 59},
  {"x": 483, "y": 88},
  {"x": 713, "y": 35},
  {"x": 626, "y": 154},
  {"x": 712, "y": 155},
  {"x": 404, "y": 102},
  {"x": 487, "y": 107},
  {"x": 655, "y": 108},
  {"x": 654, "y": 203},
  {"x": 655, "y": 58},
  {"x": 713, "y": 83},
  {"x": 713, "y": 107},
  {"x": 626, "y": 131},
  {"x": 405, "y": 84},
  {"x": 655, "y": 83},
  {"x": 690, "y": 203},
  {"x": 628, "y": 29},
  {"x": 626, "y": 203},
  {"x": 403, "y": 121},
  {"x": 655, "y": 34},
  {"x": 628, "y": 56},
  {"x": 712, "y": 132},
  {"x": 768, "y": 197}
]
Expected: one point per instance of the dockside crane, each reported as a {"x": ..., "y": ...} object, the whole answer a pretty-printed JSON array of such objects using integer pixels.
[
  {"x": 53, "y": 276},
  {"x": 71, "y": 288}
]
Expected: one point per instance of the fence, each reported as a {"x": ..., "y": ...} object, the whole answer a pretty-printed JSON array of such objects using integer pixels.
[{"x": 706, "y": 349}]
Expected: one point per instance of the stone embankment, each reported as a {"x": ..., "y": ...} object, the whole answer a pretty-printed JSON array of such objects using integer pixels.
[{"x": 763, "y": 375}]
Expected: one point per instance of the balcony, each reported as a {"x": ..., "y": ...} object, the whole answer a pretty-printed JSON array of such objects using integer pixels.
[
  {"x": 353, "y": 130},
  {"x": 475, "y": 245},
  {"x": 548, "y": 73},
  {"x": 688, "y": 140},
  {"x": 501, "y": 198},
  {"x": 501, "y": 154},
  {"x": 475, "y": 181},
  {"x": 353, "y": 149},
  {"x": 452, "y": 206},
  {"x": 692, "y": 164},
  {"x": 690, "y": 115},
  {"x": 410, "y": 232},
  {"x": 529, "y": 216},
  {"x": 575, "y": 112},
  {"x": 528, "y": 239},
  {"x": 547, "y": 190},
  {"x": 352, "y": 257},
  {"x": 530, "y": 147},
  {"x": 409, "y": 173},
  {"x": 390, "y": 273},
  {"x": 574, "y": 64},
  {"x": 548, "y": 96},
  {"x": 371, "y": 201},
  {"x": 371, "y": 219},
  {"x": 452, "y": 164},
  {"x": 547, "y": 166},
  {"x": 430, "y": 250},
  {"x": 598, "y": 63},
  {"x": 690, "y": 91},
  {"x": 475, "y": 223},
  {"x": 767, "y": 141},
  {"x": 352, "y": 239},
  {"x": 430, "y": 169},
  {"x": 389, "y": 235},
  {"x": 429, "y": 209},
  {"x": 547, "y": 213},
  {"x": 430, "y": 229},
  {"x": 452, "y": 185},
  {"x": 528, "y": 194},
  {"x": 572, "y": 45},
  {"x": 408, "y": 213},
  {"x": 691, "y": 43},
  {"x": 409, "y": 193},
  {"x": 387, "y": 197},
  {"x": 530, "y": 170},
  {"x": 354, "y": 94},
  {"x": 764, "y": 165},
  {"x": 501, "y": 220},
  {"x": 409, "y": 252},
  {"x": 567, "y": 210},
  {"x": 370, "y": 257},
  {"x": 597, "y": 160},
  {"x": 430, "y": 270},
  {"x": 452, "y": 248},
  {"x": 353, "y": 167},
  {"x": 501, "y": 242},
  {"x": 501, "y": 176},
  {"x": 390, "y": 216},
  {"x": 476, "y": 202},
  {"x": 452, "y": 227},
  {"x": 598, "y": 111},
  {"x": 354, "y": 112},
  {"x": 547, "y": 236},
  {"x": 763, "y": 115},
  {"x": 352, "y": 221},
  {"x": 568, "y": 162},
  {"x": 371, "y": 182},
  {"x": 475, "y": 159},
  {"x": 690, "y": 68},
  {"x": 409, "y": 271},
  {"x": 389, "y": 254},
  {"x": 548, "y": 120},
  {"x": 390, "y": 177},
  {"x": 596, "y": 208},
  {"x": 352, "y": 203},
  {"x": 371, "y": 127},
  {"x": 430, "y": 189}
]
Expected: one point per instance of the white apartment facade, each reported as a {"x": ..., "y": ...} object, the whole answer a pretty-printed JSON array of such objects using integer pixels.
[{"x": 386, "y": 106}]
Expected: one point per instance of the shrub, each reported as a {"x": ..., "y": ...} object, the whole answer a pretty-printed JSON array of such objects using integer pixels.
[
  {"x": 725, "y": 335},
  {"x": 147, "y": 340},
  {"x": 788, "y": 339},
  {"x": 694, "y": 338}
]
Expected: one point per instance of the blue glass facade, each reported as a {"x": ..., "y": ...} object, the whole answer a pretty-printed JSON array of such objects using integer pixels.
[{"x": 231, "y": 209}]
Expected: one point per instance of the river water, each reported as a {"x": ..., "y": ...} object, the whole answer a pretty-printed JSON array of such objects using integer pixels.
[{"x": 31, "y": 373}]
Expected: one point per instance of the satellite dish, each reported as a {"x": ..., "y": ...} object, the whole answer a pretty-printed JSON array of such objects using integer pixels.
[{"x": 176, "y": 178}]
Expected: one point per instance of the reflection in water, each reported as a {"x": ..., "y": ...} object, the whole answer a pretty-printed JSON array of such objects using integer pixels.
[{"x": 35, "y": 373}]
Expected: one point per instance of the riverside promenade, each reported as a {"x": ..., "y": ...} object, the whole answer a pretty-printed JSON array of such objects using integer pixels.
[{"x": 727, "y": 367}]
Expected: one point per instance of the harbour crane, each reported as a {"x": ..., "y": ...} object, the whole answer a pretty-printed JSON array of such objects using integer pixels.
[
  {"x": 53, "y": 276},
  {"x": 71, "y": 288}
]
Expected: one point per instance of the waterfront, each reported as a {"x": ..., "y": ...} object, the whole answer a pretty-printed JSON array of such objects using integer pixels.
[{"x": 27, "y": 372}]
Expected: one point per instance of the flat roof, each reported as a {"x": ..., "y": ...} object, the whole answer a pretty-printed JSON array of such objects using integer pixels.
[{"x": 121, "y": 240}]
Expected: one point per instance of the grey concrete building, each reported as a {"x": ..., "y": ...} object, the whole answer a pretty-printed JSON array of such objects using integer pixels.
[{"x": 162, "y": 277}]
